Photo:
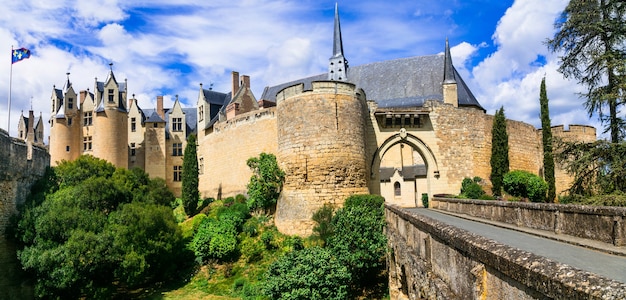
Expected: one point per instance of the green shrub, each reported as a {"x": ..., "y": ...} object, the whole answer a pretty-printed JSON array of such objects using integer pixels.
[
  {"x": 359, "y": 242},
  {"x": 265, "y": 183},
  {"x": 251, "y": 250},
  {"x": 425, "y": 200},
  {"x": 267, "y": 238},
  {"x": 470, "y": 188},
  {"x": 312, "y": 273},
  {"x": 323, "y": 219},
  {"x": 251, "y": 227},
  {"x": 293, "y": 243},
  {"x": 615, "y": 199},
  {"x": 214, "y": 239},
  {"x": 524, "y": 184}
]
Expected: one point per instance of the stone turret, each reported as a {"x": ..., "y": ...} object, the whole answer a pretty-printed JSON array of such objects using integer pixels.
[
  {"x": 110, "y": 141},
  {"x": 321, "y": 148},
  {"x": 65, "y": 124}
]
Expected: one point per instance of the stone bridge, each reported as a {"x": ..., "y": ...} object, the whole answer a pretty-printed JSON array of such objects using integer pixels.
[
  {"x": 21, "y": 164},
  {"x": 464, "y": 249}
]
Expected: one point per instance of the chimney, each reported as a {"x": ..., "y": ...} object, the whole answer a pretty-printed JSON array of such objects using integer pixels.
[
  {"x": 160, "y": 107},
  {"x": 83, "y": 96},
  {"x": 235, "y": 78},
  {"x": 245, "y": 79},
  {"x": 130, "y": 101}
]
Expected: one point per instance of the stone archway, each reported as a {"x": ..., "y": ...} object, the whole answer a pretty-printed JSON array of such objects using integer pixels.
[{"x": 415, "y": 143}]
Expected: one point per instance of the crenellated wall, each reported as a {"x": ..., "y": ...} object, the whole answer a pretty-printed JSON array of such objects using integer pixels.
[
  {"x": 18, "y": 173},
  {"x": 433, "y": 260}
]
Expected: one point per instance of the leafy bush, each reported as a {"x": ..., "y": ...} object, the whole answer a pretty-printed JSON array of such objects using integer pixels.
[
  {"x": 525, "y": 184},
  {"x": 265, "y": 183},
  {"x": 470, "y": 188},
  {"x": 214, "y": 239},
  {"x": 251, "y": 250},
  {"x": 312, "y": 273},
  {"x": 323, "y": 219},
  {"x": 358, "y": 241},
  {"x": 267, "y": 237}
]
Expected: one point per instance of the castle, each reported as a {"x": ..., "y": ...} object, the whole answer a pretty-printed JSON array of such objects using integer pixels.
[{"x": 400, "y": 128}]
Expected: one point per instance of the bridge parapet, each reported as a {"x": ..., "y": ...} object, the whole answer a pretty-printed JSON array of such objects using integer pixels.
[
  {"x": 597, "y": 223},
  {"x": 433, "y": 260}
]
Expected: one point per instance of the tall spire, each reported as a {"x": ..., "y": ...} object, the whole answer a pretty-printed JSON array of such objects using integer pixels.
[
  {"x": 448, "y": 71},
  {"x": 338, "y": 68}
]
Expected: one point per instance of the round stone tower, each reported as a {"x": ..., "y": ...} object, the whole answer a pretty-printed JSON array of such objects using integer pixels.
[
  {"x": 65, "y": 125},
  {"x": 110, "y": 141},
  {"x": 321, "y": 148}
]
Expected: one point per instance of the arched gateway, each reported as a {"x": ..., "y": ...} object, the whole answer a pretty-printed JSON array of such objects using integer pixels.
[{"x": 403, "y": 190}]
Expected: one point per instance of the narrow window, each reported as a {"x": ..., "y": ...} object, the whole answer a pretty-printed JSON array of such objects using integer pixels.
[
  {"x": 69, "y": 121},
  {"x": 133, "y": 124},
  {"x": 67, "y": 148},
  {"x": 201, "y": 113},
  {"x": 87, "y": 118},
  {"x": 111, "y": 91},
  {"x": 396, "y": 189},
  {"x": 201, "y": 165},
  {"x": 70, "y": 103},
  {"x": 132, "y": 149}
]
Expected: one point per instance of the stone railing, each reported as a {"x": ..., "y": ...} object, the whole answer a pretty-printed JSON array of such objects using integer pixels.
[
  {"x": 432, "y": 260},
  {"x": 598, "y": 223}
]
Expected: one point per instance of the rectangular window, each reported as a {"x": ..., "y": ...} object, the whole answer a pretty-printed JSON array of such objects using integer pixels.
[
  {"x": 133, "y": 150},
  {"x": 155, "y": 125},
  {"x": 87, "y": 118},
  {"x": 67, "y": 148},
  {"x": 133, "y": 124},
  {"x": 87, "y": 143},
  {"x": 201, "y": 113},
  {"x": 177, "y": 124},
  {"x": 69, "y": 121},
  {"x": 201, "y": 166},
  {"x": 177, "y": 149},
  {"x": 111, "y": 91},
  {"x": 178, "y": 173},
  {"x": 70, "y": 103}
]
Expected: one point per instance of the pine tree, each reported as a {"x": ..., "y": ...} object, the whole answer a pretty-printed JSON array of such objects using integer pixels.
[
  {"x": 190, "y": 193},
  {"x": 546, "y": 132},
  {"x": 499, "y": 152},
  {"x": 590, "y": 38}
]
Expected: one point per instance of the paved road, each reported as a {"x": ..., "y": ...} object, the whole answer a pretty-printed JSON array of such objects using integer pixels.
[{"x": 610, "y": 266}]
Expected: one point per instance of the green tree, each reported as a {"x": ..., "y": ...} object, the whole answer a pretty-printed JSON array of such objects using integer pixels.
[
  {"x": 499, "y": 152},
  {"x": 546, "y": 135},
  {"x": 312, "y": 273},
  {"x": 93, "y": 238},
  {"x": 359, "y": 242},
  {"x": 598, "y": 167},
  {"x": 265, "y": 183},
  {"x": 323, "y": 219},
  {"x": 526, "y": 185},
  {"x": 591, "y": 35},
  {"x": 190, "y": 193}
]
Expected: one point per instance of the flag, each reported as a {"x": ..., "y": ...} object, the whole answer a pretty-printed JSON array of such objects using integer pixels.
[{"x": 19, "y": 54}]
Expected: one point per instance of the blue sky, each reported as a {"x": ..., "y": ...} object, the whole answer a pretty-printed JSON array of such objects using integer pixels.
[{"x": 166, "y": 47}]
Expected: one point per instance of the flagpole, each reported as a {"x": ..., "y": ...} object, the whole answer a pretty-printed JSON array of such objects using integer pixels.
[{"x": 10, "y": 86}]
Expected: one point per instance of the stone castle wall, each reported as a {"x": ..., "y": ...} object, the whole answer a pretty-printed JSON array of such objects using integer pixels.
[
  {"x": 111, "y": 141},
  {"x": 581, "y": 133},
  {"x": 18, "y": 173},
  {"x": 225, "y": 150},
  {"x": 321, "y": 148}
]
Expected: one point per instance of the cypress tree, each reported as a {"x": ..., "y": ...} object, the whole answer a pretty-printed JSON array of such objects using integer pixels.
[
  {"x": 499, "y": 152},
  {"x": 190, "y": 193},
  {"x": 546, "y": 132}
]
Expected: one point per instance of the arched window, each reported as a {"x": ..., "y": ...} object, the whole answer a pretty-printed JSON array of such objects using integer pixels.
[{"x": 396, "y": 189}]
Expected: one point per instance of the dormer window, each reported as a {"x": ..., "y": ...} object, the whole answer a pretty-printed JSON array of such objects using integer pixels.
[
  {"x": 111, "y": 92},
  {"x": 177, "y": 124},
  {"x": 70, "y": 103}
]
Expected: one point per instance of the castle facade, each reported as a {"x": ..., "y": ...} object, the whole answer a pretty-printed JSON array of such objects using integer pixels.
[{"x": 400, "y": 128}]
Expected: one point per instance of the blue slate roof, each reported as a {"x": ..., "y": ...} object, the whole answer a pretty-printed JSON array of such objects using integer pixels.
[{"x": 394, "y": 83}]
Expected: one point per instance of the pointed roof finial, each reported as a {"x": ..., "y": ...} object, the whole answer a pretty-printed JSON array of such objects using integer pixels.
[
  {"x": 337, "y": 41},
  {"x": 338, "y": 66},
  {"x": 448, "y": 68},
  {"x": 111, "y": 66}
]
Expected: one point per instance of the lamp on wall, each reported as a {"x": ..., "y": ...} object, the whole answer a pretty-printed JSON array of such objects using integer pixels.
[{"x": 437, "y": 174}]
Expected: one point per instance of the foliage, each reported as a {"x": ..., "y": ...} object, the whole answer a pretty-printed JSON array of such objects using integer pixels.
[
  {"x": 190, "y": 193},
  {"x": 92, "y": 236},
  {"x": 524, "y": 184},
  {"x": 591, "y": 36},
  {"x": 312, "y": 273},
  {"x": 598, "y": 167},
  {"x": 425, "y": 200},
  {"x": 546, "y": 135},
  {"x": 323, "y": 219},
  {"x": 265, "y": 183},
  {"x": 358, "y": 241},
  {"x": 615, "y": 199},
  {"x": 499, "y": 152},
  {"x": 470, "y": 188},
  {"x": 215, "y": 239}
]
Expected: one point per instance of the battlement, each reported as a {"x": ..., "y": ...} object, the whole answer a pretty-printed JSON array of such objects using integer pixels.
[
  {"x": 245, "y": 119},
  {"x": 576, "y": 132}
]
